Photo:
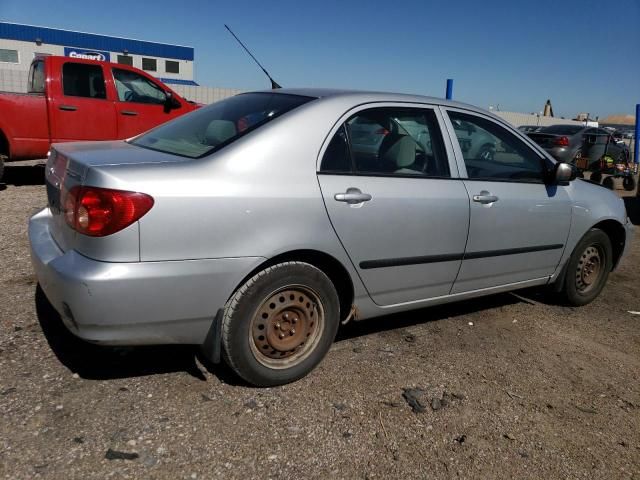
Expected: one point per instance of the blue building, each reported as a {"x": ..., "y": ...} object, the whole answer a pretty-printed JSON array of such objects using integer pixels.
[{"x": 19, "y": 44}]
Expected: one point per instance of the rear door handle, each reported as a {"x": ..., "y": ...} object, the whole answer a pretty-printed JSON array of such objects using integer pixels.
[
  {"x": 485, "y": 197},
  {"x": 68, "y": 108},
  {"x": 352, "y": 196},
  {"x": 129, "y": 112}
]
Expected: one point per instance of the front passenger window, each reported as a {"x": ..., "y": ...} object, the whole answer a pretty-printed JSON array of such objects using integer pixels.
[{"x": 491, "y": 152}]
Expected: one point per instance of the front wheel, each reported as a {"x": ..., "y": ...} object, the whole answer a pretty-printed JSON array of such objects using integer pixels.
[
  {"x": 588, "y": 268},
  {"x": 280, "y": 324}
]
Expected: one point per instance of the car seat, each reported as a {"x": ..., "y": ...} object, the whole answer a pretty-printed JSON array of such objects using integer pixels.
[{"x": 219, "y": 131}]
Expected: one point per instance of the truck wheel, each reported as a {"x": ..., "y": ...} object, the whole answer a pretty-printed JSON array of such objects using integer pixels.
[
  {"x": 608, "y": 183},
  {"x": 588, "y": 268},
  {"x": 629, "y": 183},
  {"x": 2, "y": 159},
  {"x": 596, "y": 177},
  {"x": 279, "y": 325}
]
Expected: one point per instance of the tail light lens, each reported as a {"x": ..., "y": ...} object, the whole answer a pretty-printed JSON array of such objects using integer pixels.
[
  {"x": 98, "y": 212},
  {"x": 562, "y": 141}
]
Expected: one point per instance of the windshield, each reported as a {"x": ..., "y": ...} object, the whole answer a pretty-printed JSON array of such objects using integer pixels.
[
  {"x": 563, "y": 129},
  {"x": 211, "y": 128}
]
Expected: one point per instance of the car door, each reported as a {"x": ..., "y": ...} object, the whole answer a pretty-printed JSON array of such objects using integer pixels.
[
  {"x": 141, "y": 103},
  {"x": 518, "y": 224},
  {"x": 82, "y": 110},
  {"x": 389, "y": 185}
]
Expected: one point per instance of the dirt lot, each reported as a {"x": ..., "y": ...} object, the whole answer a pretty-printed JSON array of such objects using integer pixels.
[{"x": 513, "y": 387}]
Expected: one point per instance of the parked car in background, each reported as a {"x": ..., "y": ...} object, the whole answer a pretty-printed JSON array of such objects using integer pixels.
[
  {"x": 529, "y": 128},
  {"x": 259, "y": 223},
  {"x": 567, "y": 143},
  {"x": 74, "y": 99}
]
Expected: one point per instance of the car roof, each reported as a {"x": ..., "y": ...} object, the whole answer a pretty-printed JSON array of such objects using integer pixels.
[{"x": 364, "y": 96}]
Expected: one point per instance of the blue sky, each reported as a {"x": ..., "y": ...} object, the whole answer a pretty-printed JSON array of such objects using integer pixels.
[{"x": 582, "y": 54}]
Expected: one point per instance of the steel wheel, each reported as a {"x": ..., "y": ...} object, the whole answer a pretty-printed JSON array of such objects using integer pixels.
[
  {"x": 589, "y": 269},
  {"x": 286, "y": 327}
]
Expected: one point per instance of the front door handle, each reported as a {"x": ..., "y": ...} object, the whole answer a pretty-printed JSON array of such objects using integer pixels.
[
  {"x": 68, "y": 108},
  {"x": 485, "y": 197},
  {"x": 352, "y": 196},
  {"x": 130, "y": 113}
]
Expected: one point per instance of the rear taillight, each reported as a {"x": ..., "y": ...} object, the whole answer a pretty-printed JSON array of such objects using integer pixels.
[
  {"x": 561, "y": 141},
  {"x": 98, "y": 212}
]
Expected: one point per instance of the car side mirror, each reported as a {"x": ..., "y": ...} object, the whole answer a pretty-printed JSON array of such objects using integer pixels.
[
  {"x": 170, "y": 102},
  {"x": 564, "y": 173}
]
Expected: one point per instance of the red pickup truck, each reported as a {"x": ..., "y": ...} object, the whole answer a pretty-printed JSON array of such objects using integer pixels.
[{"x": 72, "y": 99}]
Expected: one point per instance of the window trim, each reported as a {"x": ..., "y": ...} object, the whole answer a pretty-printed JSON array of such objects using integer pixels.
[
  {"x": 166, "y": 70},
  {"x": 454, "y": 171},
  {"x": 104, "y": 78},
  {"x": 155, "y": 60},
  {"x": 118, "y": 57},
  {"x": 462, "y": 167},
  {"x": 12, "y": 63}
]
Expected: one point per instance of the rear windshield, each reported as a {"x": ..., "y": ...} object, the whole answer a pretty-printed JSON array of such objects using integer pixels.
[
  {"x": 211, "y": 128},
  {"x": 563, "y": 129}
]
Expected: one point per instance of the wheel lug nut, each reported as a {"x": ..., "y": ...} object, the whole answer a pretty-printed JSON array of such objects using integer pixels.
[
  {"x": 277, "y": 325},
  {"x": 295, "y": 319},
  {"x": 293, "y": 331},
  {"x": 286, "y": 316},
  {"x": 281, "y": 335}
]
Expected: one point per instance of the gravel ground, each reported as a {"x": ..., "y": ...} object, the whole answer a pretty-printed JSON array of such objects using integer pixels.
[{"x": 505, "y": 386}]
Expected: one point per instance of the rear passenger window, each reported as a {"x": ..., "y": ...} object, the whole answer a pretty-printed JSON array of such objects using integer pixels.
[
  {"x": 491, "y": 152},
  {"x": 390, "y": 142},
  {"x": 83, "y": 80}
]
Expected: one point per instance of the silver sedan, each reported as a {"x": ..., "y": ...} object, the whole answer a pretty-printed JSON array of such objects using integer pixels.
[{"x": 254, "y": 226}]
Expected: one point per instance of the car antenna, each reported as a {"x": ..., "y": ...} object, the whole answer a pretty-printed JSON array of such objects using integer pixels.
[{"x": 274, "y": 84}]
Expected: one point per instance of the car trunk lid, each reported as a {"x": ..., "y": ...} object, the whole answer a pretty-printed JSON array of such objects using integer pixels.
[{"x": 67, "y": 167}]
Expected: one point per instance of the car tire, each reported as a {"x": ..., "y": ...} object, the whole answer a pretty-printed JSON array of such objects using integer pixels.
[
  {"x": 2, "y": 159},
  {"x": 609, "y": 183},
  {"x": 629, "y": 183},
  {"x": 588, "y": 268},
  {"x": 596, "y": 177},
  {"x": 280, "y": 324}
]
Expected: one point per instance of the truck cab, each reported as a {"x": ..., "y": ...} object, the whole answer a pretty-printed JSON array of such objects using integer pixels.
[{"x": 75, "y": 99}]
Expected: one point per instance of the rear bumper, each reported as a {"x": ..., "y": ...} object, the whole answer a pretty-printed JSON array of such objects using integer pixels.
[{"x": 134, "y": 303}]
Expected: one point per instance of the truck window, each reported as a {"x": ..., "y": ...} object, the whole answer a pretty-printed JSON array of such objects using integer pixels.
[
  {"x": 133, "y": 87},
  {"x": 83, "y": 80},
  {"x": 36, "y": 77}
]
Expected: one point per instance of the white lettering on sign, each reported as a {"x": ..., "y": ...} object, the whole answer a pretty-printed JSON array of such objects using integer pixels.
[{"x": 88, "y": 55}]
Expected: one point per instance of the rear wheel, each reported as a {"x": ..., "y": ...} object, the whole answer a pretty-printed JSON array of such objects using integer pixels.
[
  {"x": 629, "y": 183},
  {"x": 2, "y": 159},
  {"x": 588, "y": 268},
  {"x": 280, "y": 324}
]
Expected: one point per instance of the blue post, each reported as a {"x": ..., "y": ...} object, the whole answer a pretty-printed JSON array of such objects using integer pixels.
[
  {"x": 450, "y": 92},
  {"x": 636, "y": 159}
]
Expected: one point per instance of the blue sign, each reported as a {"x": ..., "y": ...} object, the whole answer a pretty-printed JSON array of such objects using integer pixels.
[{"x": 87, "y": 54}]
